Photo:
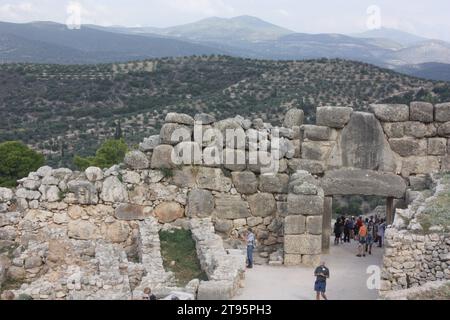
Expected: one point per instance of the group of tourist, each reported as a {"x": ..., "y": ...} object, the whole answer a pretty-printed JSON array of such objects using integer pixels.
[{"x": 365, "y": 231}]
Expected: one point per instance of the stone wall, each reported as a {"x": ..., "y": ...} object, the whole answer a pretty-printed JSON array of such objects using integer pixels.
[
  {"x": 236, "y": 172},
  {"x": 418, "y": 252}
]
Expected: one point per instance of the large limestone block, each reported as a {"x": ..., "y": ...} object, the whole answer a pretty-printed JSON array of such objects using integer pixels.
[
  {"x": 162, "y": 157},
  {"x": 416, "y": 129},
  {"x": 159, "y": 191},
  {"x": 32, "y": 184},
  {"x": 231, "y": 207},
  {"x": 363, "y": 145},
  {"x": 131, "y": 177},
  {"x": 28, "y": 194},
  {"x": 274, "y": 183},
  {"x": 437, "y": 146},
  {"x": 215, "y": 290},
  {"x": 303, "y": 244},
  {"x": 317, "y": 150},
  {"x": 50, "y": 193},
  {"x": 294, "y": 117},
  {"x": 213, "y": 179},
  {"x": 181, "y": 118},
  {"x": 407, "y": 147},
  {"x": 318, "y": 133},
  {"x": 391, "y": 112},
  {"x": 117, "y": 232},
  {"x": 295, "y": 225},
  {"x": 168, "y": 212},
  {"x": 172, "y": 133},
  {"x": 262, "y": 204},
  {"x": 114, "y": 191},
  {"x": 420, "y": 165},
  {"x": 363, "y": 182},
  {"x": 305, "y": 204},
  {"x": 245, "y": 182},
  {"x": 334, "y": 117},
  {"x": 444, "y": 130},
  {"x": 187, "y": 153},
  {"x": 235, "y": 139},
  {"x": 136, "y": 160},
  {"x": 129, "y": 212},
  {"x": 223, "y": 226},
  {"x": 442, "y": 112},
  {"x": 311, "y": 166},
  {"x": 314, "y": 225},
  {"x": 292, "y": 259},
  {"x": 150, "y": 143},
  {"x": 200, "y": 203},
  {"x": 234, "y": 160},
  {"x": 260, "y": 162},
  {"x": 82, "y": 230},
  {"x": 394, "y": 129},
  {"x": 85, "y": 192},
  {"x": 94, "y": 174},
  {"x": 185, "y": 177},
  {"x": 421, "y": 111},
  {"x": 204, "y": 119},
  {"x": 419, "y": 182}
]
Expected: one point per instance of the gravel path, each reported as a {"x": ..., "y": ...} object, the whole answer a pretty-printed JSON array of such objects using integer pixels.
[{"x": 347, "y": 281}]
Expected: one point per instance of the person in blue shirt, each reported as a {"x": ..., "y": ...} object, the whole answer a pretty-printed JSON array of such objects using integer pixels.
[{"x": 250, "y": 239}]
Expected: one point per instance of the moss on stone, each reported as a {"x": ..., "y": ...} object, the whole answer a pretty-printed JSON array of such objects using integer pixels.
[{"x": 179, "y": 255}]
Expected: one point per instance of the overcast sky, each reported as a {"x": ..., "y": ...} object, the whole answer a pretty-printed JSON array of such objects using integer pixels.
[{"x": 429, "y": 18}]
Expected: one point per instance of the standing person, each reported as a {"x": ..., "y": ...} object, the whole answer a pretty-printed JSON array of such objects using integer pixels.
[
  {"x": 322, "y": 273},
  {"x": 250, "y": 239},
  {"x": 342, "y": 226},
  {"x": 352, "y": 230},
  {"x": 362, "y": 235},
  {"x": 337, "y": 231},
  {"x": 376, "y": 225},
  {"x": 370, "y": 236},
  {"x": 148, "y": 295},
  {"x": 381, "y": 230},
  {"x": 347, "y": 230}
]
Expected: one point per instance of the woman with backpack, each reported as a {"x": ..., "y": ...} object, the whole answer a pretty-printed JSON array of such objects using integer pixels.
[{"x": 362, "y": 234}]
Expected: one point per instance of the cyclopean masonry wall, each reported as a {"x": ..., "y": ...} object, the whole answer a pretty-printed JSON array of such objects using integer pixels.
[
  {"x": 418, "y": 252},
  {"x": 60, "y": 223}
]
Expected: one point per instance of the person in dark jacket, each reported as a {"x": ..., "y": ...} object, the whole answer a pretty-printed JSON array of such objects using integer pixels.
[{"x": 338, "y": 226}]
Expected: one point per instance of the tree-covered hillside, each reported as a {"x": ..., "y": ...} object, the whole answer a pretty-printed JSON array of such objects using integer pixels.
[{"x": 65, "y": 110}]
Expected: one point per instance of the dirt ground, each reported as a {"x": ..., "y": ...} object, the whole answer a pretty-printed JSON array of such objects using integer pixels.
[{"x": 348, "y": 278}]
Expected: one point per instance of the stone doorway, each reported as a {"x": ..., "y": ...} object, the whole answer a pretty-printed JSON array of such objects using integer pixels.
[
  {"x": 349, "y": 182},
  {"x": 353, "y": 206}
]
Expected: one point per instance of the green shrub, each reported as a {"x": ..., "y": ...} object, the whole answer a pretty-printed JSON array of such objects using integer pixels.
[
  {"x": 110, "y": 153},
  {"x": 16, "y": 162}
]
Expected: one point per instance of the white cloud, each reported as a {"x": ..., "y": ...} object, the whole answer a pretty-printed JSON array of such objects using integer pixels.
[
  {"x": 284, "y": 12},
  {"x": 18, "y": 11},
  {"x": 203, "y": 7}
]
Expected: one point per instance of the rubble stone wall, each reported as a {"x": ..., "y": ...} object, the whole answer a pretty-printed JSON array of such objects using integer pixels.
[{"x": 418, "y": 252}]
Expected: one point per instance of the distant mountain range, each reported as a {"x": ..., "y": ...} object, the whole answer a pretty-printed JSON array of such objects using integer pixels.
[{"x": 244, "y": 36}]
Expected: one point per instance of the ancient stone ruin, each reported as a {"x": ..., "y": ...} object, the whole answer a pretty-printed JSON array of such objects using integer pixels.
[{"x": 94, "y": 234}]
